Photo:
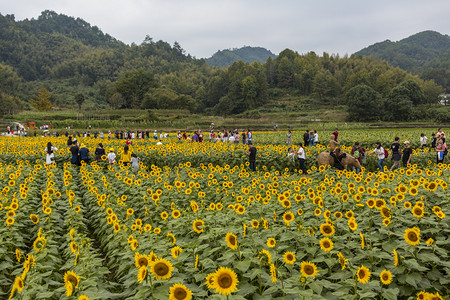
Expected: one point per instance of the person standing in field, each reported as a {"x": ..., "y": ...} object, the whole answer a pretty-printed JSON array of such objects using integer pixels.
[
  {"x": 316, "y": 138},
  {"x": 289, "y": 138},
  {"x": 358, "y": 153},
  {"x": 126, "y": 155},
  {"x": 379, "y": 151},
  {"x": 135, "y": 162},
  {"x": 440, "y": 151},
  {"x": 336, "y": 133},
  {"x": 50, "y": 155},
  {"x": 250, "y": 135},
  {"x": 407, "y": 154},
  {"x": 396, "y": 154},
  {"x": 84, "y": 154},
  {"x": 252, "y": 156},
  {"x": 111, "y": 156},
  {"x": 433, "y": 140},
  {"x": 74, "y": 150},
  {"x": 99, "y": 152},
  {"x": 306, "y": 138},
  {"x": 301, "y": 156},
  {"x": 423, "y": 140}
]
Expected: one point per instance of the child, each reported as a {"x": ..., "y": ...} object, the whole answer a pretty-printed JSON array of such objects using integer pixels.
[
  {"x": 423, "y": 140},
  {"x": 135, "y": 162},
  {"x": 111, "y": 156},
  {"x": 433, "y": 140}
]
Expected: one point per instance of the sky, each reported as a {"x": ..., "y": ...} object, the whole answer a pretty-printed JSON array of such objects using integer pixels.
[{"x": 202, "y": 27}]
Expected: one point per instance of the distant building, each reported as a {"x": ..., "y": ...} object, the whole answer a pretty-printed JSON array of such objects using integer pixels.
[{"x": 444, "y": 99}]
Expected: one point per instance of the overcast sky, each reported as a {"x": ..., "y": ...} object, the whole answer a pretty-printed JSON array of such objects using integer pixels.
[{"x": 204, "y": 26}]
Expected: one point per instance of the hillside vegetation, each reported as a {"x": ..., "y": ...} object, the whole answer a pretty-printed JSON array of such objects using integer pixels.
[
  {"x": 426, "y": 53},
  {"x": 225, "y": 58},
  {"x": 58, "y": 62}
]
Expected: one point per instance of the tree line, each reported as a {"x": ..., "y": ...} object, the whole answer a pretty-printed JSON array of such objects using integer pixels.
[{"x": 77, "y": 65}]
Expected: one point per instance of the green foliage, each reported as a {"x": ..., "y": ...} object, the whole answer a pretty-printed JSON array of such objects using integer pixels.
[
  {"x": 41, "y": 101},
  {"x": 224, "y": 58},
  {"x": 79, "y": 99},
  {"x": 363, "y": 103},
  {"x": 133, "y": 86},
  {"x": 425, "y": 53}
]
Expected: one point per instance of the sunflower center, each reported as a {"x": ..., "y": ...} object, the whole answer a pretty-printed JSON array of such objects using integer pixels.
[
  {"x": 73, "y": 280},
  {"x": 143, "y": 262},
  {"x": 361, "y": 274},
  {"x": 161, "y": 269},
  {"x": 309, "y": 270},
  {"x": 180, "y": 293},
  {"x": 289, "y": 257},
  {"x": 327, "y": 229},
  {"x": 385, "y": 277},
  {"x": 412, "y": 236},
  {"x": 326, "y": 244},
  {"x": 225, "y": 281}
]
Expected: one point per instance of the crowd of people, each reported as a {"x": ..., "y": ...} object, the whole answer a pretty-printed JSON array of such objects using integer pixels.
[{"x": 398, "y": 154}]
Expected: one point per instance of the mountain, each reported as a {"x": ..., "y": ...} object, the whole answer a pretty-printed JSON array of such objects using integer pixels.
[
  {"x": 426, "y": 54},
  {"x": 224, "y": 58}
]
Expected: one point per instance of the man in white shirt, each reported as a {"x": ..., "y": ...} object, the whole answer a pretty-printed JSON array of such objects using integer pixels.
[{"x": 301, "y": 156}]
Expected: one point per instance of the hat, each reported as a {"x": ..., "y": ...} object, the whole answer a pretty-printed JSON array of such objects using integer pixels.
[
  {"x": 406, "y": 142},
  {"x": 74, "y": 140},
  {"x": 111, "y": 149}
]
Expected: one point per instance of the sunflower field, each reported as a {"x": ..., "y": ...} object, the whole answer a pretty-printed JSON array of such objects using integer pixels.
[{"x": 193, "y": 222}]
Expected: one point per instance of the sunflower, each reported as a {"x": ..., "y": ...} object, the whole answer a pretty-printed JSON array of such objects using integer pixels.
[
  {"x": 317, "y": 212},
  {"x": 255, "y": 223},
  {"x": 338, "y": 215},
  {"x": 352, "y": 224},
  {"x": 363, "y": 275},
  {"x": 73, "y": 247},
  {"x": 10, "y": 221},
  {"x": 164, "y": 215},
  {"x": 327, "y": 229},
  {"x": 412, "y": 236},
  {"x": 289, "y": 258},
  {"x": 225, "y": 281},
  {"x": 141, "y": 260},
  {"x": 385, "y": 212},
  {"x": 326, "y": 244},
  {"x": 83, "y": 297},
  {"x": 386, "y": 277},
  {"x": 363, "y": 240},
  {"x": 395, "y": 257},
  {"x": 34, "y": 218},
  {"x": 271, "y": 242},
  {"x": 386, "y": 221},
  {"x": 198, "y": 226},
  {"x": 142, "y": 273},
  {"x": 18, "y": 283},
  {"x": 342, "y": 260},
  {"x": 265, "y": 254},
  {"x": 417, "y": 211},
  {"x": 179, "y": 292},
  {"x": 209, "y": 281},
  {"x": 176, "y": 251},
  {"x": 308, "y": 269},
  {"x": 71, "y": 278},
  {"x": 349, "y": 214},
  {"x": 161, "y": 268},
  {"x": 39, "y": 243},
  {"x": 273, "y": 273},
  {"x": 176, "y": 214},
  {"x": 430, "y": 241},
  {"x": 288, "y": 217},
  {"x": 231, "y": 240}
]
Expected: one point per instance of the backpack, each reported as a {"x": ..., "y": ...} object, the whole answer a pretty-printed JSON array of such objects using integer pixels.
[
  {"x": 445, "y": 151},
  {"x": 356, "y": 154},
  {"x": 386, "y": 153}
]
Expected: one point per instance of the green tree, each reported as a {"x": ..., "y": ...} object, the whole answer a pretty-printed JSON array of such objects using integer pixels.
[
  {"x": 363, "y": 103},
  {"x": 398, "y": 105},
  {"x": 41, "y": 101},
  {"x": 116, "y": 100},
  {"x": 9, "y": 80},
  {"x": 414, "y": 92},
  {"x": 79, "y": 99},
  {"x": 133, "y": 86}
]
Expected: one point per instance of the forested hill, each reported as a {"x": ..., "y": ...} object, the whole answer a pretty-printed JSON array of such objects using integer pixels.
[
  {"x": 426, "y": 53},
  {"x": 59, "y": 62},
  {"x": 225, "y": 58}
]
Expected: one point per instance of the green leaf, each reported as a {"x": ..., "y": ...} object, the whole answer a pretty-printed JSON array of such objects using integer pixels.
[{"x": 391, "y": 294}]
